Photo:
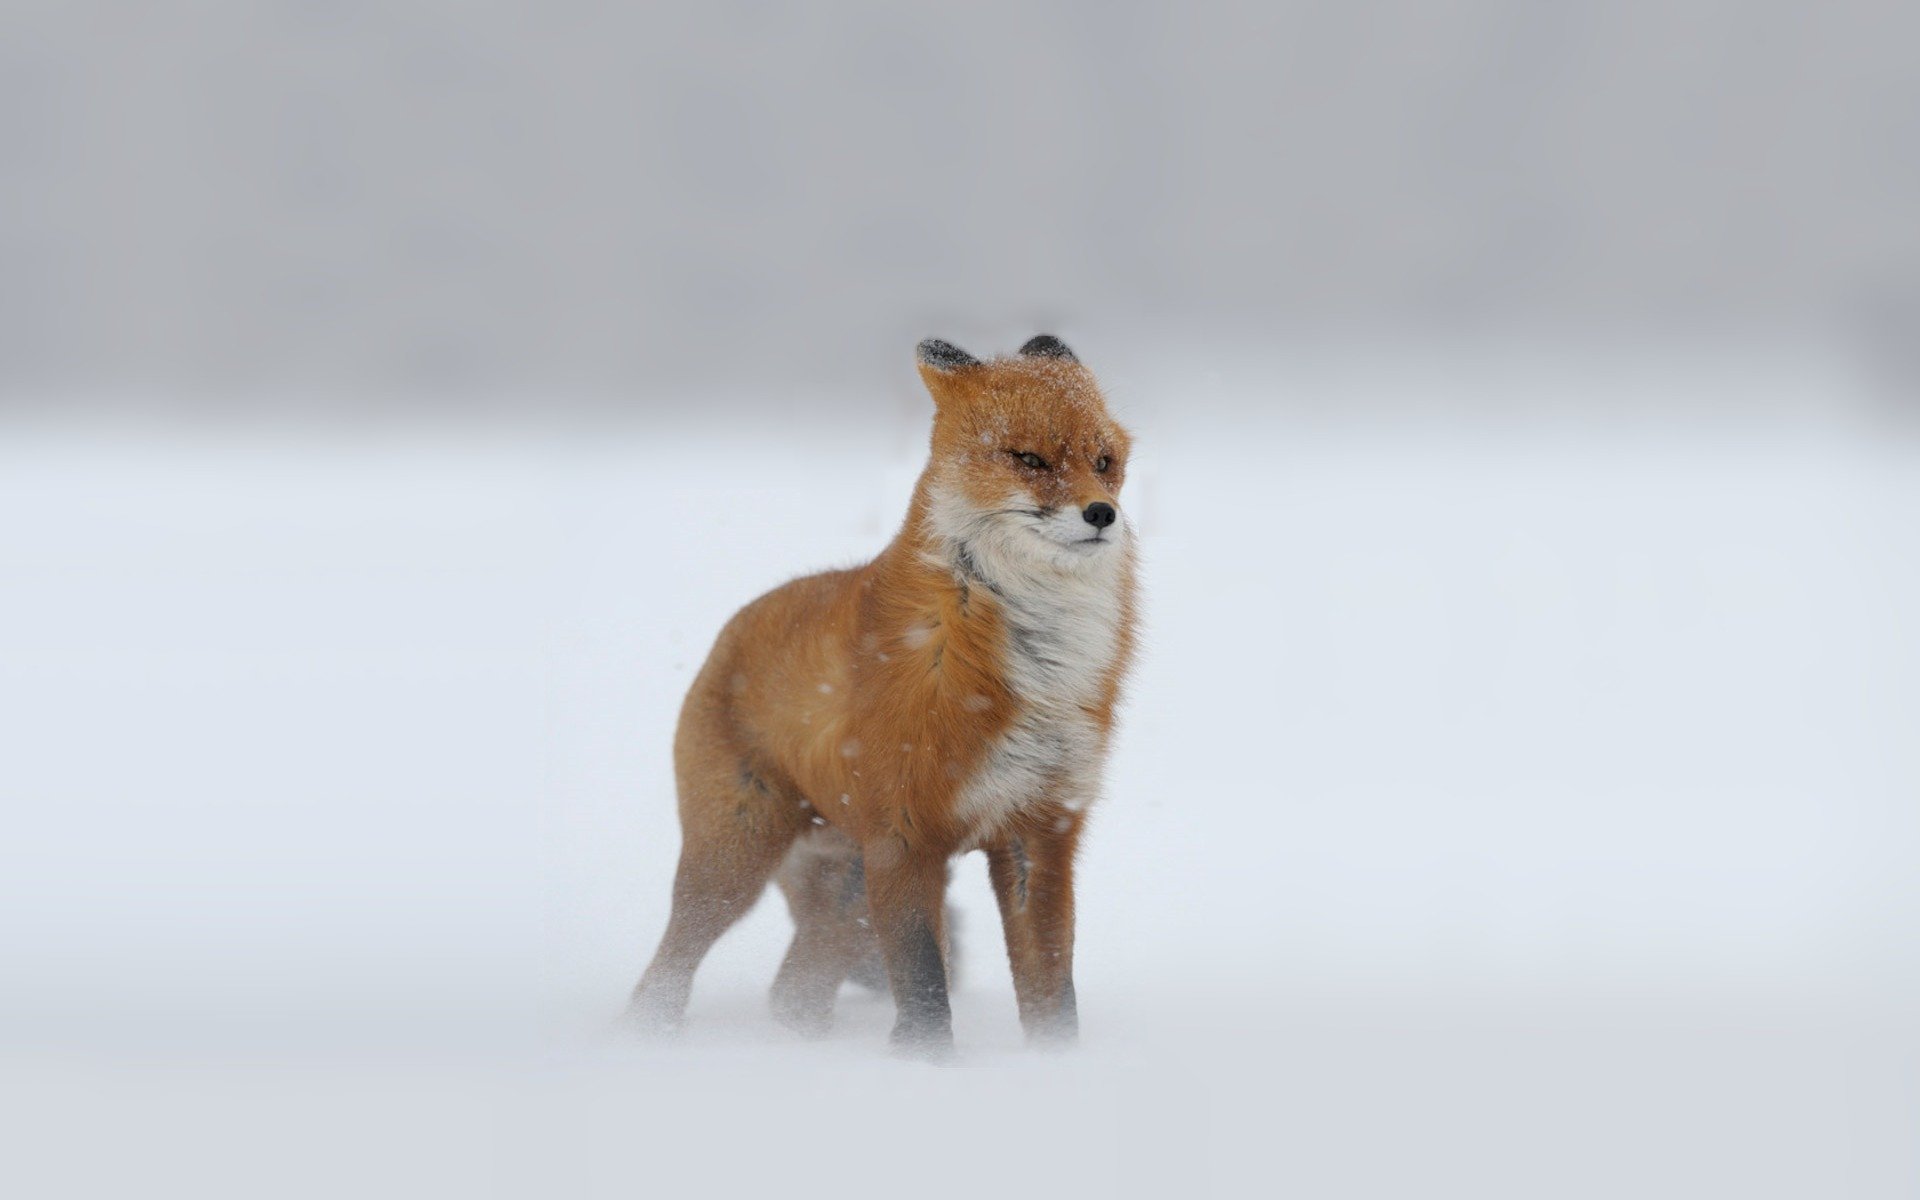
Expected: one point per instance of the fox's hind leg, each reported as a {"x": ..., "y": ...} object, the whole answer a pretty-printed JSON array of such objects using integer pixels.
[
  {"x": 736, "y": 826},
  {"x": 825, "y": 886}
]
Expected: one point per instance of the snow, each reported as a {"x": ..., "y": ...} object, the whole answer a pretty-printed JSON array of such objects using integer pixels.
[{"x": 1506, "y": 809}]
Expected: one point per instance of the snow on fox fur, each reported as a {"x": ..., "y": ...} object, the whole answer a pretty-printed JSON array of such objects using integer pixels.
[{"x": 852, "y": 731}]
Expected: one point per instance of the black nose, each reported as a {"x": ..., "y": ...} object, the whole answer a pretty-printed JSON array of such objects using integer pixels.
[{"x": 1099, "y": 515}]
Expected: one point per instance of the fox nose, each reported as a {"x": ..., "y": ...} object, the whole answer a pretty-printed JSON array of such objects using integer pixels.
[{"x": 1099, "y": 514}]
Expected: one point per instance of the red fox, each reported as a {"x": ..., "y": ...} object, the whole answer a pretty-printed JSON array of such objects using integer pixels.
[{"x": 853, "y": 731}]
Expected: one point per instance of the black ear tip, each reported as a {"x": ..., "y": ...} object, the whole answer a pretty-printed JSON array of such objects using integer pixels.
[
  {"x": 943, "y": 356},
  {"x": 1047, "y": 346}
]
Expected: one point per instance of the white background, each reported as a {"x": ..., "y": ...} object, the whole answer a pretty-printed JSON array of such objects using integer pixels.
[{"x": 1508, "y": 802}]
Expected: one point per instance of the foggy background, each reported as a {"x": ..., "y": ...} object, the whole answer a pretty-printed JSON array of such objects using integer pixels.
[
  {"x": 274, "y": 202},
  {"x": 1517, "y": 793}
]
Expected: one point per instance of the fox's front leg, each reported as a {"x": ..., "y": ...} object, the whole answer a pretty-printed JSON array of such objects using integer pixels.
[
  {"x": 1032, "y": 873},
  {"x": 906, "y": 894}
]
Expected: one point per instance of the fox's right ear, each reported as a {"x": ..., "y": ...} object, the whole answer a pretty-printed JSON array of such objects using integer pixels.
[
  {"x": 940, "y": 362},
  {"x": 943, "y": 356}
]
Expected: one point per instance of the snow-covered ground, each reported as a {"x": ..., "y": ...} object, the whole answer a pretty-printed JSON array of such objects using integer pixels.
[{"x": 1504, "y": 807}]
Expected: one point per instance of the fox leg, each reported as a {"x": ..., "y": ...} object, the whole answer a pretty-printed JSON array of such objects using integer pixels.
[
  {"x": 906, "y": 892},
  {"x": 826, "y": 893},
  {"x": 1032, "y": 874},
  {"x": 869, "y": 969},
  {"x": 735, "y": 829}
]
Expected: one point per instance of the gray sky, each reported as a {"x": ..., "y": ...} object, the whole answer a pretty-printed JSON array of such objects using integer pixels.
[{"x": 570, "y": 200}]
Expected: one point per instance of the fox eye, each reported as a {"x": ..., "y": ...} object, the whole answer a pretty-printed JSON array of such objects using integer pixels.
[
  {"x": 1102, "y": 463},
  {"x": 1031, "y": 459}
]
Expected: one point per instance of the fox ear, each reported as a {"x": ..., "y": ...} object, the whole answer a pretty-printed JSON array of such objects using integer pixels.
[
  {"x": 943, "y": 356},
  {"x": 1047, "y": 346}
]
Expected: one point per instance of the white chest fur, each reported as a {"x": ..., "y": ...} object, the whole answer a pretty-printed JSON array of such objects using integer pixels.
[{"x": 1062, "y": 636}]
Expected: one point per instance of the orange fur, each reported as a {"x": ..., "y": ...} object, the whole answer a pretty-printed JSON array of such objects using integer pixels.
[{"x": 851, "y": 712}]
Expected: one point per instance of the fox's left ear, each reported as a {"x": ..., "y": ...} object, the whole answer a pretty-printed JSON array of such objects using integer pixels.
[{"x": 1047, "y": 346}]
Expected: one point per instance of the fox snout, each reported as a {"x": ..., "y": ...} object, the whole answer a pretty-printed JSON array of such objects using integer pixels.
[{"x": 1099, "y": 514}]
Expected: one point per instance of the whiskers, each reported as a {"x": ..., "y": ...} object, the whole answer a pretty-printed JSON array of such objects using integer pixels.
[{"x": 1016, "y": 546}]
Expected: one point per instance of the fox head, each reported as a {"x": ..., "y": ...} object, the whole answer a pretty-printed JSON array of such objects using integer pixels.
[{"x": 1027, "y": 465}]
